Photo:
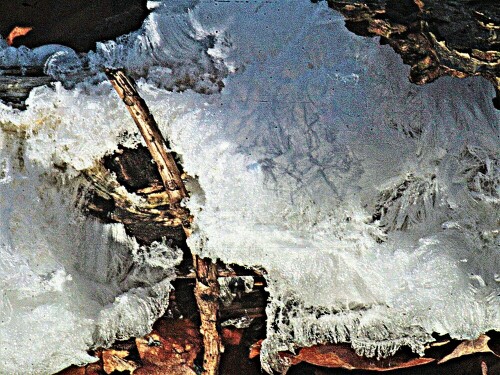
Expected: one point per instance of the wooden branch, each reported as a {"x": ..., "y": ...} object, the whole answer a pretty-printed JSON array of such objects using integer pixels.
[
  {"x": 207, "y": 289},
  {"x": 207, "y": 292},
  {"x": 125, "y": 87},
  {"x": 15, "y": 86}
]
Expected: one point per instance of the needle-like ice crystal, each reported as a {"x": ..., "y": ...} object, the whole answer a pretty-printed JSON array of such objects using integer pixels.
[{"x": 372, "y": 204}]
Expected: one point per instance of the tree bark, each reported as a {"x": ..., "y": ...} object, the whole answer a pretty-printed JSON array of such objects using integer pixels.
[
  {"x": 207, "y": 297},
  {"x": 459, "y": 38}
]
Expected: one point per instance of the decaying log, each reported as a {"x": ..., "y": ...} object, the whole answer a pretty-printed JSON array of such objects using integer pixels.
[
  {"x": 207, "y": 288},
  {"x": 16, "y": 83}
]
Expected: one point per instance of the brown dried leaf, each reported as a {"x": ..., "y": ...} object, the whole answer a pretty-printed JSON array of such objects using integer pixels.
[
  {"x": 114, "y": 360},
  {"x": 479, "y": 345},
  {"x": 231, "y": 336},
  {"x": 255, "y": 349},
  {"x": 90, "y": 369},
  {"x": 343, "y": 356},
  {"x": 169, "y": 349},
  {"x": 16, "y": 32},
  {"x": 94, "y": 369},
  {"x": 164, "y": 370}
]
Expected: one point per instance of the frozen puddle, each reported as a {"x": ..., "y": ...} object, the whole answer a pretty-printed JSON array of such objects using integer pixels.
[{"x": 371, "y": 203}]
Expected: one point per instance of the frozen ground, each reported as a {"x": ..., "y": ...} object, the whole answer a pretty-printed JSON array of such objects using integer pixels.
[{"x": 371, "y": 203}]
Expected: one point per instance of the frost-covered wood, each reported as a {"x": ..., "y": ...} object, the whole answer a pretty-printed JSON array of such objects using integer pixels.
[
  {"x": 157, "y": 146},
  {"x": 17, "y": 83}
]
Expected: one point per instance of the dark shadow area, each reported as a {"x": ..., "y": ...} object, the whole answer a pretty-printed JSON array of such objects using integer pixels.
[{"x": 78, "y": 24}]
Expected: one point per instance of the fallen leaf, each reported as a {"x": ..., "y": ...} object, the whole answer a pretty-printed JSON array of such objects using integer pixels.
[
  {"x": 231, "y": 336},
  {"x": 479, "y": 345},
  {"x": 255, "y": 349},
  {"x": 170, "y": 348},
  {"x": 180, "y": 369},
  {"x": 343, "y": 356},
  {"x": 114, "y": 360},
  {"x": 93, "y": 369},
  {"x": 17, "y": 31}
]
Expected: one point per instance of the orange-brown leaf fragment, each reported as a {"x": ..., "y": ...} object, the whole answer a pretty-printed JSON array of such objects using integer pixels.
[
  {"x": 231, "y": 336},
  {"x": 170, "y": 348},
  {"x": 321, "y": 356},
  {"x": 181, "y": 369},
  {"x": 255, "y": 349},
  {"x": 160, "y": 356},
  {"x": 17, "y": 31},
  {"x": 479, "y": 345},
  {"x": 343, "y": 356},
  {"x": 114, "y": 360},
  {"x": 93, "y": 369}
]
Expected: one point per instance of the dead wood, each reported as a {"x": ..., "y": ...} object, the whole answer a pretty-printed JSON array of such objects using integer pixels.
[
  {"x": 16, "y": 83},
  {"x": 146, "y": 123},
  {"x": 207, "y": 288},
  {"x": 435, "y": 37},
  {"x": 207, "y": 292}
]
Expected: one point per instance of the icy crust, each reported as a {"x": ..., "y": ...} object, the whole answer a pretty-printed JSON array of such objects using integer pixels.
[
  {"x": 70, "y": 128},
  {"x": 93, "y": 283},
  {"x": 68, "y": 283},
  {"x": 372, "y": 204},
  {"x": 171, "y": 49}
]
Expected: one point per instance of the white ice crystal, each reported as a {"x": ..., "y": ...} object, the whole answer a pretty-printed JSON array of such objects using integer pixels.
[
  {"x": 68, "y": 283},
  {"x": 372, "y": 204}
]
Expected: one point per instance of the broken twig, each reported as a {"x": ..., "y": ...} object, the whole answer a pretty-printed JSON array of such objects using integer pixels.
[
  {"x": 207, "y": 288},
  {"x": 146, "y": 123},
  {"x": 207, "y": 292}
]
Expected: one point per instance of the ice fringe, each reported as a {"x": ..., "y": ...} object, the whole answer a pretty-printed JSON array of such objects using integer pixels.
[
  {"x": 482, "y": 172},
  {"x": 303, "y": 326},
  {"x": 68, "y": 282}
]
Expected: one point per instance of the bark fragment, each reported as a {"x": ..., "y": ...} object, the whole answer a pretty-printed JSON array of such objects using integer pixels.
[{"x": 458, "y": 38}]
